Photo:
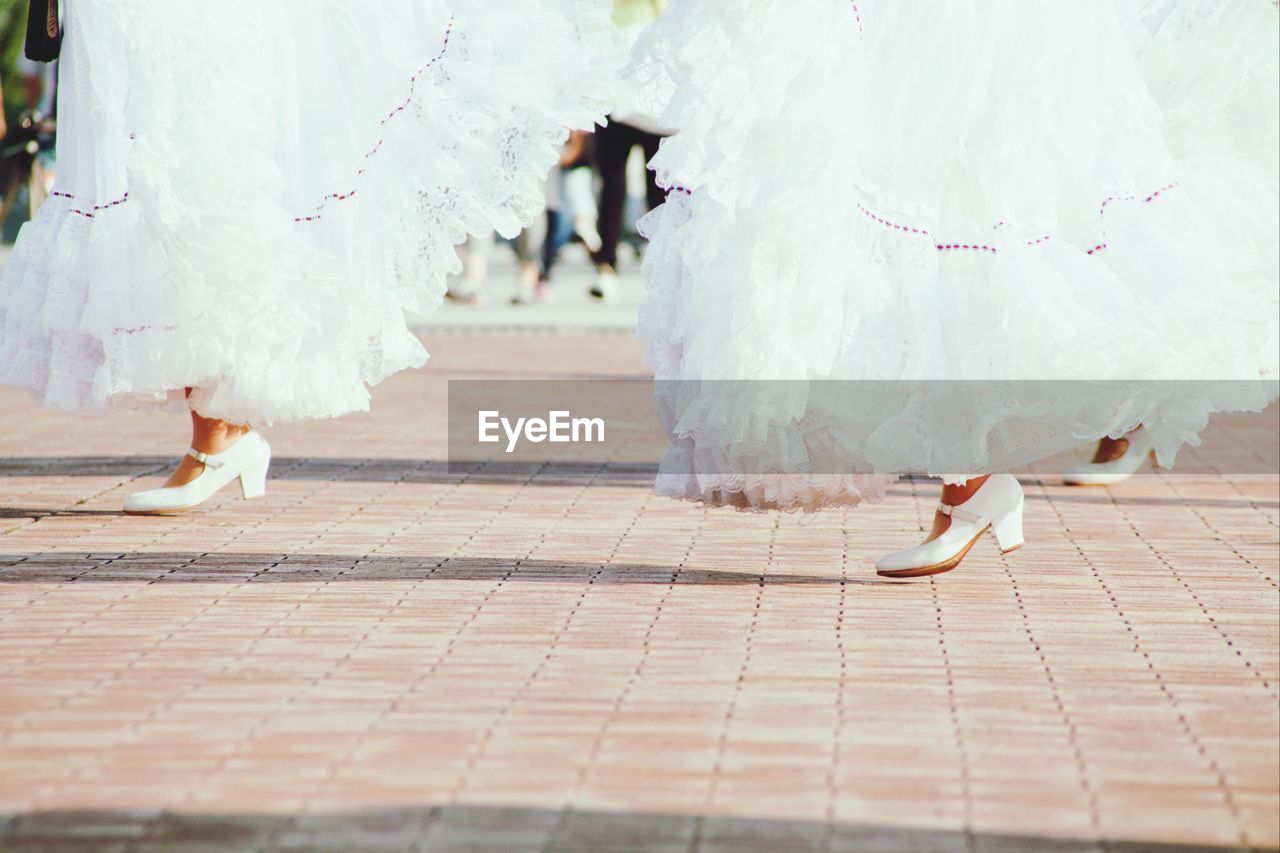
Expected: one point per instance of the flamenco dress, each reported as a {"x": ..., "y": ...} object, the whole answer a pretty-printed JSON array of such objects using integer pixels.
[
  {"x": 954, "y": 238},
  {"x": 251, "y": 195}
]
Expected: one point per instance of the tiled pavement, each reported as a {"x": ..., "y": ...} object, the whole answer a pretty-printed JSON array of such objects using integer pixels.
[{"x": 381, "y": 655}]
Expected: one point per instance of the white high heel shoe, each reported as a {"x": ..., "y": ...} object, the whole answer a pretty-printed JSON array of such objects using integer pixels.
[
  {"x": 997, "y": 505},
  {"x": 247, "y": 460},
  {"x": 1117, "y": 470}
]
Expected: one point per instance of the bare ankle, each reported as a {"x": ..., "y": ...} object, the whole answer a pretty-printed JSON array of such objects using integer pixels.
[
  {"x": 954, "y": 494},
  {"x": 214, "y": 436}
]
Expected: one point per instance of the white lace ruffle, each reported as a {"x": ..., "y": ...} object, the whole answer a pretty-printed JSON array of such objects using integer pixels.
[
  {"x": 250, "y": 212},
  {"x": 940, "y": 193}
]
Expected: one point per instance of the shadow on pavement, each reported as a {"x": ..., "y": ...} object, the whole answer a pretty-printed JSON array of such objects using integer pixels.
[
  {"x": 233, "y": 568},
  {"x": 501, "y": 828},
  {"x": 430, "y": 471},
  {"x": 436, "y": 472}
]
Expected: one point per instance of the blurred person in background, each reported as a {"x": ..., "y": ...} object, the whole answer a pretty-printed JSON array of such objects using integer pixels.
[
  {"x": 467, "y": 284},
  {"x": 570, "y": 207},
  {"x": 571, "y": 204},
  {"x": 476, "y": 254},
  {"x": 254, "y": 265},
  {"x": 629, "y": 128},
  {"x": 40, "y": 87},
  {"x": 28, "y": 161},
  {"x": 530, "y": 285}
]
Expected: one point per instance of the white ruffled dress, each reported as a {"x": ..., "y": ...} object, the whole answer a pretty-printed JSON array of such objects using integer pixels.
[
  {"x": 977, "y": 190},
  {"x": 250, "y": 195}
]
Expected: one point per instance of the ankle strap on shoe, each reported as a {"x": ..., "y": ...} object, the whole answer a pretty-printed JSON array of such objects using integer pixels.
[
  {"x": 204, "y": 459},
  {"x": 958, "y": 513}
]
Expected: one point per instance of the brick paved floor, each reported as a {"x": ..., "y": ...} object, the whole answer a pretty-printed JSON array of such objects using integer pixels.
[{"x": 383, "y": 655}]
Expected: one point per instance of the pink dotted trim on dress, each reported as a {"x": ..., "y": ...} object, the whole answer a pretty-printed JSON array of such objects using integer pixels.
[
  {"x": 92, "y": 211},
  {"x": 977, "y": 247},
  {"x": 857, "y": 16},
  {"x": 137, "y": 330},
  {"x": 941, "y": 247},
  {"x": 413, "y": 84},
  {"x": 671, "y": 187},
  {"x": 1102, "y": 211}
]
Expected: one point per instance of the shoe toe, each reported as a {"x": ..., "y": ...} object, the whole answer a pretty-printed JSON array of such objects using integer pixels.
[
  {"x": 140, "y": 502},
  {"x": 899, "y": 560}
]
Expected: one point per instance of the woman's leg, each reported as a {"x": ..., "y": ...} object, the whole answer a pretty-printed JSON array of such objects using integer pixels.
[
  {"x": 1114, "y": 461},
  {"x": 1110, "y": 449},
  {"x": 613, "y": 146},
  {"x": 551, "y": 244},
  {"x": 953, "y": 495},
  {"x": 968, "y": 510},
  {"x": 528, "y": 264},
  {"x": 223, "y": 453},
  {"x": 208, "y": 436},
  {"x": 580, "y": 201}
]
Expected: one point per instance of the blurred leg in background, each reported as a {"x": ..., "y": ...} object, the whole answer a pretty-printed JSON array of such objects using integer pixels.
[
  {"x": 614, "y": 144},
  {"x": 529, "y": 246},
  {"x": 571, "y": 204},
  {"x": 475, "y": 253}
]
